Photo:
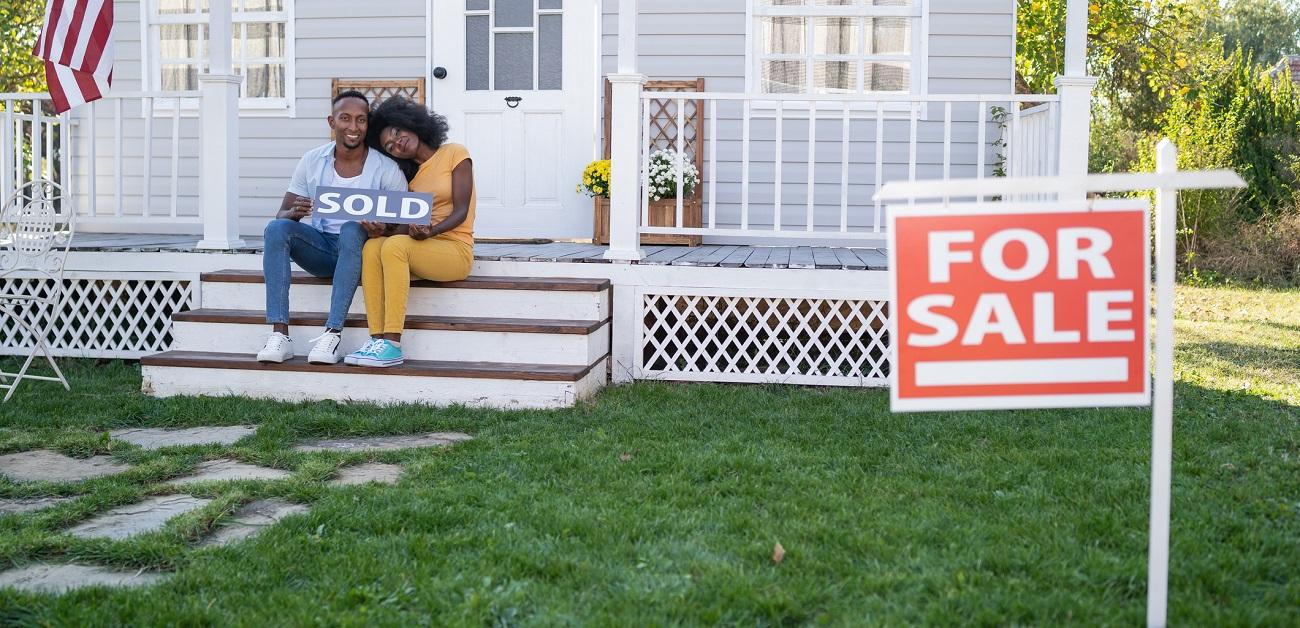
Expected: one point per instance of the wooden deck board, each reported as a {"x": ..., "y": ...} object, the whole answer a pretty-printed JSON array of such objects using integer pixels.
[{"x": 705, "y": 256}]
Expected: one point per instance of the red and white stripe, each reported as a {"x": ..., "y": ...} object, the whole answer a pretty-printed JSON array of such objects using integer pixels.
[{"x": 77, "y": 47}]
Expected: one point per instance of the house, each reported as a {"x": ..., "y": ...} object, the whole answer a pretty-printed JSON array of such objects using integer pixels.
[
  {"x": 807, "y": 109},
  {"x": 1288, "y": 65}
]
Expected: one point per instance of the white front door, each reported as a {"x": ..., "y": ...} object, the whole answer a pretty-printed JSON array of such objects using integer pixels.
[{"x": 518, "y": 87}]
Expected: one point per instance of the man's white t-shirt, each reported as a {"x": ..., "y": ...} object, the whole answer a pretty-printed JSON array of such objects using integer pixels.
[{"x": 329, "y": 225}]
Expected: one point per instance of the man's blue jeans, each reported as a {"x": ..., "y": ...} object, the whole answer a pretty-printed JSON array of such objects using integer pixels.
[{"x": 321, "y": 254}]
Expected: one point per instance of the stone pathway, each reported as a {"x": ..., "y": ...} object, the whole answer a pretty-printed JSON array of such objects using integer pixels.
[
  {"x": 226, "y": 469},
  {"x": 14, "y": 506},
  {"x": 376, "y": 472},
  {"x": 384, "y": 443},
  {"x": 155, "y": 438},
  {"x": 146, "y": 516},
  {"x": 48, "y": 578},
  {"x": 52, "y": 466},
  {"x": 251, "y": 520}
]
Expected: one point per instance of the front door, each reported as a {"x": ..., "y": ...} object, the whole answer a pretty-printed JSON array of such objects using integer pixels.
[{"x": 518, "y": 86}]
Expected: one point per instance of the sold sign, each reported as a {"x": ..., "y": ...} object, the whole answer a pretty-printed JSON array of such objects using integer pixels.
[
  {"x": 1019, "y": 306},
  {"x": 377, "y": 205}
]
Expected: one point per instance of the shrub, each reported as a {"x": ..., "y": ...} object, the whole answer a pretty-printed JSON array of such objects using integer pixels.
[{"x": 1266, "y": 252}]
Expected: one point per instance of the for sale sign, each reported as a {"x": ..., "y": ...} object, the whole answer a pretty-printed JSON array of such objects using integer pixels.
[{"x": 1006, "y": 306}]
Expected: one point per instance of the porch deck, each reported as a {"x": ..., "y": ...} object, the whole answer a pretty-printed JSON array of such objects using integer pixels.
[{"x": 706, "y": 256}]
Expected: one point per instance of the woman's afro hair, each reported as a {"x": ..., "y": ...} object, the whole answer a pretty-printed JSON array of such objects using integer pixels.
[{"x": 429, "y": 127}]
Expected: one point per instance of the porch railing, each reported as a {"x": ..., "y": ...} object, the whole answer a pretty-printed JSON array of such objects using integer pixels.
[
  {"x": 128, "y": 159},
  {"x": 794, "y": 167}
]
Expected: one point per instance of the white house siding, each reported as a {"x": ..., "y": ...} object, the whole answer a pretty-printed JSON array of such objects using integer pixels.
[
  {"x": 970, "y": 50},
  {"x": 333, "y": 39}
]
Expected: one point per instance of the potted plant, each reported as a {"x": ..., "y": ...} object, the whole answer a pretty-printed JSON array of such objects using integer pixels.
[{"x": 663, "y": 168}]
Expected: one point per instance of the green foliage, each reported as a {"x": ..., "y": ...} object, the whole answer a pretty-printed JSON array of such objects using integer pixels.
[
  {"x": 20, "y": 25},
  {"x": 1240, "y": 119},
  {"x": 1143, "y": 51},
  {"x": 1264, "y": 29}
]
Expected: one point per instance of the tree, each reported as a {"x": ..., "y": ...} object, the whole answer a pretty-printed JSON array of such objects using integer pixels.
[
  {"x": 20, "y": 25},
  {"x": 1144, "y": 51},
  {"x": 1264, "y": 29}
]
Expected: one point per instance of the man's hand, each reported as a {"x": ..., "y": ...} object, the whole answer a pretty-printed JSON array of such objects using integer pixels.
[
  {"x": 299, "y": 209},
  {"x": 374, "y": 229},
  {"x": 420, "y": 232}
]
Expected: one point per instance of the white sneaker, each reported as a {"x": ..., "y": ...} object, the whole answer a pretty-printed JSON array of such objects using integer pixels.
[
  {"x": 326, "y": 349},
  {"x": 278, "y": 348}
]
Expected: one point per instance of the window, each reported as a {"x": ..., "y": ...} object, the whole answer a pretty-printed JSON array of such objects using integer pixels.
[
  {"x": 836, "y": 46},
  {"x": 260, "y": 45}
]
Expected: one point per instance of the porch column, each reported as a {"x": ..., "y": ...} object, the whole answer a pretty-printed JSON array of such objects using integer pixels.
[
  {"x": 625, "y": 131},
  {"x": 219, "y": 137},
  {"x": 1075, "y": 90}
]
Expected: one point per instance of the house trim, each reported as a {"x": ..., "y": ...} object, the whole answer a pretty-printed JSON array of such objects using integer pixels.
[
  {"x": 919, "y": 58},
  {"x": 150, "y": 61}
]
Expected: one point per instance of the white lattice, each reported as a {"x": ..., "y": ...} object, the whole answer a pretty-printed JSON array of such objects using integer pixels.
[
  {"x": 105, "y": 315},
  {"x": 764, "y": 339}
]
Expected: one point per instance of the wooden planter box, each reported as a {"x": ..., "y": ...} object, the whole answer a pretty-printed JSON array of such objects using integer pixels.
[{"x": 662, "y": 214}]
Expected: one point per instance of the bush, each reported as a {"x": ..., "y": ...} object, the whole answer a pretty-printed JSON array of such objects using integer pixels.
[
  {"x": 1266, "y": 252},
  {"x": 1242, "y": 119}
]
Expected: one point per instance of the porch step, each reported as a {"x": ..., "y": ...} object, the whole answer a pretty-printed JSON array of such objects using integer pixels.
[
  {"x": 454, "y": 338},
  {"x": 479, "y": 384},
  {"x": 477, "y": 297}
]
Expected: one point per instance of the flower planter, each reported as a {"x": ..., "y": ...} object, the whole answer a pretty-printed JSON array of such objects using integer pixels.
[{"x": 663, "y": 213}]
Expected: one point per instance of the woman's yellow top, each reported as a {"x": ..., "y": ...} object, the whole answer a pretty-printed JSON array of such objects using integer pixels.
[{"x": 434, "y": 177}]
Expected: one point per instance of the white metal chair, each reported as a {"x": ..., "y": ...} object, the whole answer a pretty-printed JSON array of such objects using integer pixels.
[{"x": 36, "y": 226}]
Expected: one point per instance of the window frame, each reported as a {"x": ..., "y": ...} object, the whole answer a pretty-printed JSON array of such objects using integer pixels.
[
  {"x": 151, "y": 58},
  {"x": 918, "y": 59}
]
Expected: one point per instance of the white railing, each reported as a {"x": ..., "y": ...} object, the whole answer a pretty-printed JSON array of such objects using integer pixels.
[
  {"x": 118, "y": 159},
  {"x": 35, "y": 145},
  {"x": 773, "y": 171}
]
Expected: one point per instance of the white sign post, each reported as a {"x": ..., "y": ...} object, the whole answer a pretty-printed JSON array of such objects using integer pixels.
[{"x": 1166, "y": 181}]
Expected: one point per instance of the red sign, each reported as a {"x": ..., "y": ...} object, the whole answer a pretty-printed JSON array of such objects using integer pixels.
[{"x": 1019, "y": 307}]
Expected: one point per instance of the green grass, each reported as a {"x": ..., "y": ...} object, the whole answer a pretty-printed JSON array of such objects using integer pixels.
[{"x": 660, "y": 504}]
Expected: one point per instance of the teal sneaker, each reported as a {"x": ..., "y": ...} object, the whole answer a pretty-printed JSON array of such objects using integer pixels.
[
  {"x": 351, "y": 358},
  {"x": 382, "y": 353}
]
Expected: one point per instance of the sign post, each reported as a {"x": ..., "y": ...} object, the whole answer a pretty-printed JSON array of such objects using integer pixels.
[{"x": 1037, "y": 305}]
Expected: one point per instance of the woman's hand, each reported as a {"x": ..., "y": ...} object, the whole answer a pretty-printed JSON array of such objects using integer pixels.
[
  {"x": 419, "y": 232},
  {"x": 374, "y": 229}
]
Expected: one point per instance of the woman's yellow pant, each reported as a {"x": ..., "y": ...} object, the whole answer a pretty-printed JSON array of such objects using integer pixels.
[{"x": 387, "y": 265}]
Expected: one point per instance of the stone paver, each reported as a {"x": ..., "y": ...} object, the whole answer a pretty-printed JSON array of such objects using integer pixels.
[
  {"x": 44, "y": 464},
  {"x": 13, "y": 506},
  {"x": 384, "y": 443},
  {"x": 376, "y": 472},
  {"x": 251, "y": 520},
  {"x": 47, "y": 578},
  {"x": 157, "y": 438},
  {"x": 226, "y": 469},
  {"x": 146, "y": 516}
]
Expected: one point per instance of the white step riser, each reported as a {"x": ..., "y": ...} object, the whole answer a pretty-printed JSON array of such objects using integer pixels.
[
  {"x": 167, "y": 381},
  {"x": 417, "y": 344},
  {"x": 475, "y": 302}
]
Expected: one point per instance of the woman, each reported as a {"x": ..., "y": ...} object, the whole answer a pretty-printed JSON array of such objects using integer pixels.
[{"x": 441, "y": 251}]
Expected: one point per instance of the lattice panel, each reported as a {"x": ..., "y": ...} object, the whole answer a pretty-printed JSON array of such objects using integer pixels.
[
  {"x": 380, "y": 90},
  {"x": 742, "y": 338},
  {"x": 103, "y": 316}
]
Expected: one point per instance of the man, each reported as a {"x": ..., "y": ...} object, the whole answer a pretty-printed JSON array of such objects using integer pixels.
[{"x": 321, "y": 246}]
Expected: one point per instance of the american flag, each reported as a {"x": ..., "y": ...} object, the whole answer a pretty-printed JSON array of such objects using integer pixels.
[{"x": 76, "y": 44}]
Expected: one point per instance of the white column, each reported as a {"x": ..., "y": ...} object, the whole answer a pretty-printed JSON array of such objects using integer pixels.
[
  {"x": 219, "y": 137},
  {"x": 1075, "y": 90},
  {"x": 625, "y": 132}
]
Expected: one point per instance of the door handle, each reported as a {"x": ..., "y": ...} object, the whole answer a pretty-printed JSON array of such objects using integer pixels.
[
  {"x": 513, "y": 101},
  {"x": 440, "y": 72}
]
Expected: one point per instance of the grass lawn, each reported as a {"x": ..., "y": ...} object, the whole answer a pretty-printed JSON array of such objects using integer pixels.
[{"x": 660, "y": 504}]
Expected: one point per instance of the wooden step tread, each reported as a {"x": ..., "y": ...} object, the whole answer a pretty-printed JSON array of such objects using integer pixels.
[
  {"x": 412, "y": 368},
  {"x": 483, "y": 283},
  {"x": 439, "y": 323}
]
